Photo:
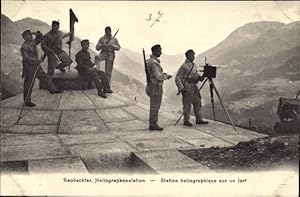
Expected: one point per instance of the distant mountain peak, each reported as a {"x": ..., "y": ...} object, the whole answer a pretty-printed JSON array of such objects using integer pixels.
[
  {"x": 254, "y": 29},
  {"x": 29, "y": 20}
]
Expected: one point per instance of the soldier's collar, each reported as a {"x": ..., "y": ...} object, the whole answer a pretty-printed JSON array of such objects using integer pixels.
[
  {"x": 106, "y": 36},
  {"x": 29, "y": 41},
  {"x": 155, "y": 58},
  {"x": 189, "y": 61}
]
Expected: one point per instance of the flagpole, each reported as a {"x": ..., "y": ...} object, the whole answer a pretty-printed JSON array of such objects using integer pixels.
[
  {"x": 70, "y": 40},
  {"x": 73, "y": 19}
]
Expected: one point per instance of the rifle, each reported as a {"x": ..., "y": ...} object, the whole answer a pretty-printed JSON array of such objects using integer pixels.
[
  {"x": 146, "y": 70},
  {"x": 113, "y": 36}
]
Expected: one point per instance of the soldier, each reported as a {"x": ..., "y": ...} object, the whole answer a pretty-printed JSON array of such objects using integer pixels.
[
  {"x": 52, "y": 46},
  {"x": 154, "y": 87},
  {"x": 31, "y": 66},
  {"x": 108, "y": 45},
  {"x": 85, "y": 68},
  {"x": 186, "y": 81}
]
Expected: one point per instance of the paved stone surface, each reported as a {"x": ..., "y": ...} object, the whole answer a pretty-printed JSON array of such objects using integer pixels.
[
  {"x": 139, "y": 134},
  {"x": 35, "y": 117},
  {"x": 17, "y": 101},
  {"x": 52, "y": 101},
  {"x": 109, "y": 163},
  {"x": 21, "y": 140},
  {"x": 128, "y": 125},
  {"x": 78, "y": 131},
  {"x": 100, "y": 103},
  {"x": 205, "y": 142},
  {"x": 143, "y": 114},
  {"x": 138, "y": 112},
  {"x": 157, "y": 143},
  {"x": 81, "y": 122},
  {"x": 185, "y": 132},
  {"x": 31, "y": 152},
  {"x": 114, "y": 115},
  {"x": 88, "y": 138},
  {"x": 30, "y": 129},
  {"x": 75, "y": 100},
  {"x": 169, "y": 160},
  {"x": 58, "y": 165},
  {"x": 88, "y": 150},
  {"x": 9, "y": 116},
  {"x": 123, "y": 99}
]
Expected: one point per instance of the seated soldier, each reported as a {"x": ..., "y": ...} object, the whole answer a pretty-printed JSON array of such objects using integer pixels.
[
  {"x": 31, "y": 66},
  {"x": 86, "y": 68}
]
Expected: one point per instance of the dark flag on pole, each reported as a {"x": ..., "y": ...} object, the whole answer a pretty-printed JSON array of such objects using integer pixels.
[{"x": 73, "y": 19}]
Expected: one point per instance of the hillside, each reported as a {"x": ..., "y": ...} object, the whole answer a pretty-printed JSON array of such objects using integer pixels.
[
  {"x": 132, "y": 63},
  {"x": 262, "y": 63},
  {"x": 11, "y": 59}
]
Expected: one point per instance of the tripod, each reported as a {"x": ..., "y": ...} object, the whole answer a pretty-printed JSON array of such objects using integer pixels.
[{"x": 212, "y": 88}]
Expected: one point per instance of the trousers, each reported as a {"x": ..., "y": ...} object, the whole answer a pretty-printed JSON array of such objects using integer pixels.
[
  {"x": 98, "y": 77},
  {"x": 61, "y": 60},
  {"x": 109, "y": 63},
  {"x": 155, "y": 92},
  {"x": 192, "y": 97},
  {"x": 29, "y": 79}
]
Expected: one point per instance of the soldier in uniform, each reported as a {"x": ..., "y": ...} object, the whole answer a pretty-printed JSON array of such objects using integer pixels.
[
  {"x": 154, "y": 87},
  {"x": 108, "y": 45},
  {"x": 186, "y": 81},
  {"x": 52, "y": 46},
  {"x": 85, "y": 68},
  {"x": 31, "y": 65}
]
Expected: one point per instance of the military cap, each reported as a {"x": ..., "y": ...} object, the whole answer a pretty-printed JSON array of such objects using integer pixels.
[
  {"x": 55, "y": 22},
  {"x": 155, "y": 47},
  {"x": 188, "y": 52},
  {"x": 85, "y": 41},
  {"x": 107, "y": 28},
  {"x": 26, "y": 32}
]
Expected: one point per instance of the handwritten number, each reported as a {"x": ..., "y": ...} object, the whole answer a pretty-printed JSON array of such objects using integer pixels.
[
  {"x": 159, "y": 13},
  {"x": 150, "y": 17}
]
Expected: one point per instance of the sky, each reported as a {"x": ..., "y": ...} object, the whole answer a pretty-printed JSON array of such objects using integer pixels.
[{"x": 183, "y": 25}]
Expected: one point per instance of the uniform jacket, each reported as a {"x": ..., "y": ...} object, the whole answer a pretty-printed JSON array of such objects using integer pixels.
[
  {"x": 107, "y": 53},
  {"x": 155, "y": 70},
  {"x": 83, "y": 60},
  {"x": 53, "y": 42},
  {"x": 29, "y": 50},
  {"x": 183, "y": 72}
]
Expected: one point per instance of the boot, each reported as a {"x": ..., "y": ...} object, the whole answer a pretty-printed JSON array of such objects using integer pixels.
[
  {"x": 52, "y": 88},
  {"x": 201, "y": 122},
  {"x": 29, "y": 104},
  {"x": 100, "y": 93},
  {"x": 187, "y": 123},
  {"x": 155, "y": 127},
  {"x": 56, "y": 91},
  {"x": 61, "y": 68},
  {"x": 108, "y": 91}
]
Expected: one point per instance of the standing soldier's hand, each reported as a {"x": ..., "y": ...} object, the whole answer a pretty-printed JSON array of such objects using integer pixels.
[
  {"x": 201, "y": 78},
  {"x": 166, "y": 76},
  {"x": 169, "y": 76},
  {"x": 183, "y": 91}
]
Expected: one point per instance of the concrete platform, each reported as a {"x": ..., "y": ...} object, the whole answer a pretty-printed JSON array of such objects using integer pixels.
[{"x": 78, "y": 131}]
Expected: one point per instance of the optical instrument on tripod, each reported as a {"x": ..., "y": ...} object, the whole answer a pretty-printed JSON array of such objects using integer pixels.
[{"x": 210, "y": 72}]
